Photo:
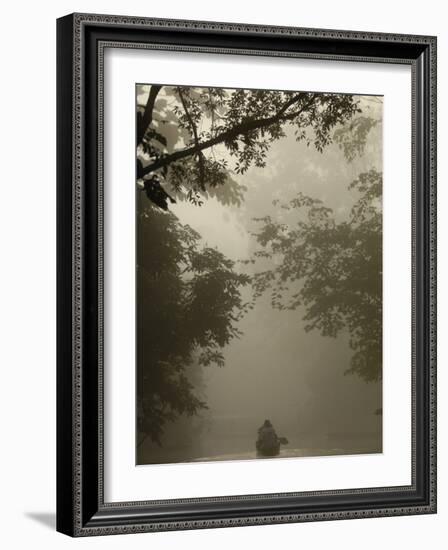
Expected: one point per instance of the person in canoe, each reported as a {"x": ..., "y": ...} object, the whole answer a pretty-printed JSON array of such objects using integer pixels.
[{"x": 268, "y": 442}]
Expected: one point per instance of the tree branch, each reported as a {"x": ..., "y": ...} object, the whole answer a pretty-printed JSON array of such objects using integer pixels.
[
  {"x": 196, "y": 140},
  {"x": 230, "y": 134},
  {"x": 145, "y": 120}
]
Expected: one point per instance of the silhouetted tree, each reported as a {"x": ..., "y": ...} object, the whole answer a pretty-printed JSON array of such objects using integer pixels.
[
  {"x": 332, "y": 269},
  {"x": 182, "y": 132},
  {"x": 189, "y": 305}
]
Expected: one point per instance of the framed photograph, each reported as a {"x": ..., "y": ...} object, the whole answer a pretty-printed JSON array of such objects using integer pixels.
[{"x": 246, "y": 274}]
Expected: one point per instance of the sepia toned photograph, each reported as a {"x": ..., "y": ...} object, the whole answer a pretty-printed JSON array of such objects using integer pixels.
[{"x": 259, "y": 274}]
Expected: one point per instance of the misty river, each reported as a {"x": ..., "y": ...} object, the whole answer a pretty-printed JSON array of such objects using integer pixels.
[{"x": 232, "y": 439}]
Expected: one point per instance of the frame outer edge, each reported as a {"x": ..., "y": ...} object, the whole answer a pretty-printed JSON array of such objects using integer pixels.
[
  {"x": 65, "y": 370},
  {"x": 78, "y": 262},
  {"x": 70, "y": 509},
  {"x": 221, "y": 26}
]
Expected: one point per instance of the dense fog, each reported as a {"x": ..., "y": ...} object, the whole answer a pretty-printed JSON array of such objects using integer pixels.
[{"x": 276, "y": 370}]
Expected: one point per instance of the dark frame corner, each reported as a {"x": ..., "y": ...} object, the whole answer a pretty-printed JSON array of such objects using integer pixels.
[{"x": 81, "y": 510}]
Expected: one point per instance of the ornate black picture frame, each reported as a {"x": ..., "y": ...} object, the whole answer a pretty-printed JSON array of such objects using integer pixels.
[{"x": 81, "y": 508}]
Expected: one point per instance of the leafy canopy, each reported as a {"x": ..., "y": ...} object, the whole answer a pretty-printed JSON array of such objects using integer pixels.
[
  {"x": 191, "y": 140},
  {"x": 332, "y": 269},
  {"x": 190, "y": 303}
]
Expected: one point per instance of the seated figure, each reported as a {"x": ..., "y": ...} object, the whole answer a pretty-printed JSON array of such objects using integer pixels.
[{"x": 268, "y": 443}]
